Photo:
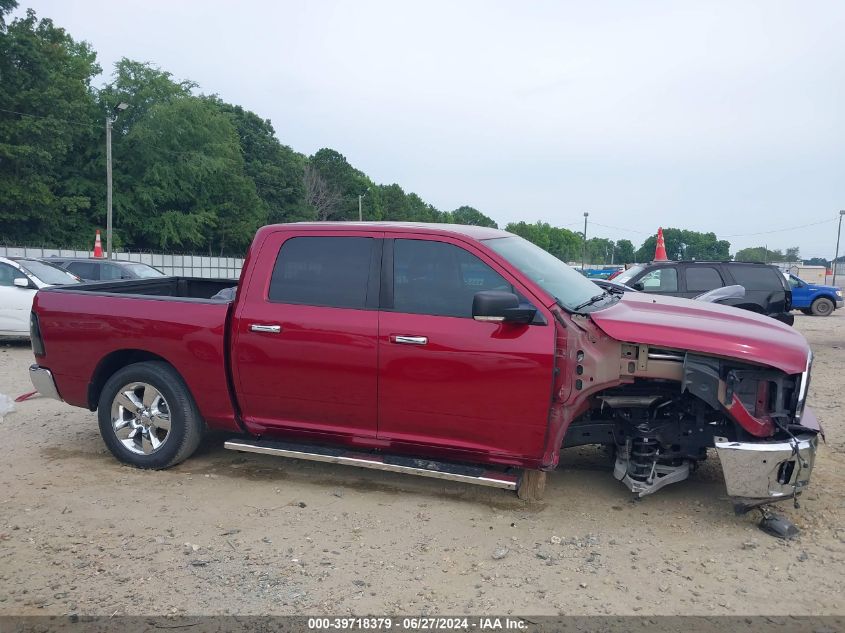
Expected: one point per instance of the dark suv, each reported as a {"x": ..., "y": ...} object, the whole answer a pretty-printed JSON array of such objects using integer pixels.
[
  {"x": 96, "y": 269},
  {"x": 766, "y": 289}
]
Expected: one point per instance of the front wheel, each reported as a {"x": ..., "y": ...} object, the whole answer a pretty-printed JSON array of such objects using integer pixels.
[
  {"x": 822, "y": 306},
  {"x": 147, "y": 416}
]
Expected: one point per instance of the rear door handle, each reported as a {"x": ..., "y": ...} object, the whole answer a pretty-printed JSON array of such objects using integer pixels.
[
  {"x": 269, "y": 329},
  {"x": 405, "y": 339}
]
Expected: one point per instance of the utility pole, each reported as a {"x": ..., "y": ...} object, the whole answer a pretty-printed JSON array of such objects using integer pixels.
[
  {"x": 835, "y": 257},
  {"x": 360, "y": 207},
  {"x": 584, "y": 254},
  {"x": 109, "y": 121}
]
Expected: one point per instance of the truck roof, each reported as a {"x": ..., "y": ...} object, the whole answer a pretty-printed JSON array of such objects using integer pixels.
[{"x": 474, "y": 232}]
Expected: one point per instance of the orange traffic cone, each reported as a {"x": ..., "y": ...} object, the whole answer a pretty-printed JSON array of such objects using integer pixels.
[
  {"x": 660, "y": 250},
  {"x": 98, "y": 246}
]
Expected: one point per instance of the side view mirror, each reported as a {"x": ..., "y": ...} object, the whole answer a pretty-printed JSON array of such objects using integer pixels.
[
  {"x": 22, "y": 282},
  {"x": 638, "y": 286},
  {"x": 502, "y": 307}
]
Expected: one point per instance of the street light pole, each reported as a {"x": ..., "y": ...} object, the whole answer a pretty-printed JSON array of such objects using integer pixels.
[
  {"x": 584, "y": 253},
  {"x": 109, "y": 121},
  {"x": 108, "y": 187},
  {"x": 360, "y": 208},
  {"x": 835, "y": 257}
]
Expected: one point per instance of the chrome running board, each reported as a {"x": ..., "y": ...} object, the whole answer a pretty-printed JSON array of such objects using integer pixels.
[{"x": 392, "y": 463}]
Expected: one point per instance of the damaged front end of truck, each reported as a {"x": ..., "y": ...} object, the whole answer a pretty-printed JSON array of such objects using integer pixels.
[{"x": 667, "y": 406}]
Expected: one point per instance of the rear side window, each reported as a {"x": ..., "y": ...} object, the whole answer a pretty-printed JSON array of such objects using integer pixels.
[
  {"x": 110, "y": 271},
  {"x": 86, "y": 270},
  {"x": 702, "y": 278},
  {"x": 756, "y": 277},
  {"x": 439, "y": 279},
  {"x": 323, "y": 271},
  {"x": 660, "y": 280}
]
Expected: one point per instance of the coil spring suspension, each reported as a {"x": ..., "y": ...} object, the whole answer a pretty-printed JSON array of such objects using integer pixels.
[{"x": 644, "y": 454}]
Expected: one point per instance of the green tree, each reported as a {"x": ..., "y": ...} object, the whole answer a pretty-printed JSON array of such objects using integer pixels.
[
  {"x": 763, "y": 254},
  {"x": 275, "y": 169},
  {"x": 188, "y": 186},
  {"x": 624, "y": 252},
  {"x": 470, "y": 215},
  {"x": 46, "y": 127}
]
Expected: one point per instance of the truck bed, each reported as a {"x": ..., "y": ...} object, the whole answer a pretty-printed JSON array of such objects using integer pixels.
[
  {"x": 181, "y": 288},
  {"x": 90, "y": 327}
]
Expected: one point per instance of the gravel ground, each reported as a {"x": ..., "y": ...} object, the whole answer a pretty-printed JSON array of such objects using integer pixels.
[{"x": 250, "y": 534}]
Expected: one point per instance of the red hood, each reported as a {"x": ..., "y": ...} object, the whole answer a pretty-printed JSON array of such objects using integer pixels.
[{"x": 704, "y": 327}]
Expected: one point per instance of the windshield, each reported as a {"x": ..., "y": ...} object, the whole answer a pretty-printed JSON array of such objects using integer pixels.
[
  {"x": 47, "y": 273},
  {"x": 569, "y": 287},
  {"x": 144, "y": 271},
  {"x": 626, "y": 275}
]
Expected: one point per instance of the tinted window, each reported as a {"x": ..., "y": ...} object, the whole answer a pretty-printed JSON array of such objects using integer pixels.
[
  {"x": 756, "y": 277},
  {"x": 110, "y": 271},
  {"x": 86, "y": 270},
  {"x": 702, "y": 278},
  {"x": 438, "y": 278},
  {"x": 660, "y": 280},
  {"x": 8, "y": 274},
  {"x": 323, "y": 271}
]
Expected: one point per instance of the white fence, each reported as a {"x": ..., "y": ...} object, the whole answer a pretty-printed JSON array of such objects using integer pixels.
[{"x": 169, "y": 264}]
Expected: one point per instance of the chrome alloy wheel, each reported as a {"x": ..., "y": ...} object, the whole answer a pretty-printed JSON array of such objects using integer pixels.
[{"x": 140, "y": 418}]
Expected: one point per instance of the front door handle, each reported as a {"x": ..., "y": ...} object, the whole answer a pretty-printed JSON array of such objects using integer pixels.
[
  {"x": 269, "y": 329},
  {"x": 404, "y": 339}
]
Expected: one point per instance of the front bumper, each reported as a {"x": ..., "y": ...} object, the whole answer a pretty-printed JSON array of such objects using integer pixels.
[
  {"x": 767, "y": 470},
  {"x": 840, "y": 303},
  {"x": 42, "y": 380}
]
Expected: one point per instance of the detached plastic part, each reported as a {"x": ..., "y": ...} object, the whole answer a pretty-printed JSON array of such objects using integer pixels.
[
  {"x": 6, "y": 405},
  {"x": 778, "y": 526}
]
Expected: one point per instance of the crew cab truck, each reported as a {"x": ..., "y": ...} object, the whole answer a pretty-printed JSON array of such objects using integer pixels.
[
  {"x": 814, "y": 299},
  {"x": 456, "y": 352}
]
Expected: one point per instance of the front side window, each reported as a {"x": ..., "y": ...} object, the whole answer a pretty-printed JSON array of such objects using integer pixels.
[
  {"x": 323, "y": 271},
  {"x": 702, "y": 278},
  {"x": 660, "y": 280},
  {"x": 8, "y": 274},
  {"x": 439, "y": 279}
]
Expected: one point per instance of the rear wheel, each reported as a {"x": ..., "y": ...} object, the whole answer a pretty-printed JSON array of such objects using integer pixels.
[
  {"x": 822, "y": 306},
  {"x": 147, "y": 416}
]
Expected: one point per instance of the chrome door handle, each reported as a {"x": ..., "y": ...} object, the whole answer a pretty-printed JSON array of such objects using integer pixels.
[
  {"x": 410, "y": 340},
  {"x": 269, "y": 329}
]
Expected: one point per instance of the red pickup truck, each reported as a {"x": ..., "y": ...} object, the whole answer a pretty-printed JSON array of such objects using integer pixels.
[{"x": 456, "y": 352}]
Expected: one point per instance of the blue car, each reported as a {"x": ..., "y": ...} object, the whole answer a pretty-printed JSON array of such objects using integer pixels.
[{"x": 814, "y": 299}]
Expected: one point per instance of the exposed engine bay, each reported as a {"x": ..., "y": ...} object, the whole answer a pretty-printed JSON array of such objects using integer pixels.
[{"x": 659, "y": 426}]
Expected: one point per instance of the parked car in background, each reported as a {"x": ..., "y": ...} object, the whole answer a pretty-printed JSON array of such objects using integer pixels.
[
  {"x": 20, "y": 279},
  {"x": 96, "y": 269},
  {"x": 766, "y": 289},
  {"x": 814, "y": 299}
]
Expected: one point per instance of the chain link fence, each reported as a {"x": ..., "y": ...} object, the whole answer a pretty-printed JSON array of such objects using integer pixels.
[{"x": 180, "y": 265}]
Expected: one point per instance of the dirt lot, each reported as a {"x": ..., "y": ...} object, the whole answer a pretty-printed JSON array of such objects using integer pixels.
[{"x": 250, "y": 534}]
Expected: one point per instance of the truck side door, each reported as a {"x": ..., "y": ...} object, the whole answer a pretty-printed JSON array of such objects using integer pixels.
[
  {"x": 304, "y": 355},
  {"x": 445, "y": 379},
  {"x": 700, "y": 278}
]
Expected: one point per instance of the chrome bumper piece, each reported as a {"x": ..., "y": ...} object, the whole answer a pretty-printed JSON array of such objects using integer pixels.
[
  {"x": 42, "y": 380},
  {"x": 761, "y": 470}
]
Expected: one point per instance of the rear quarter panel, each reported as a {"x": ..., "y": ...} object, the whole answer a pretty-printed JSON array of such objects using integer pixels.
[{"x": 80, "y": 330}]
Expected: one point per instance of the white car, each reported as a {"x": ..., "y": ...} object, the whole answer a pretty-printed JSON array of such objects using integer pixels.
[{"x": 20, "y": 279}]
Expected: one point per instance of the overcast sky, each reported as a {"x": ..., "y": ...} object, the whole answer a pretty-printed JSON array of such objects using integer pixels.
[{"x": 715, "y": 116}]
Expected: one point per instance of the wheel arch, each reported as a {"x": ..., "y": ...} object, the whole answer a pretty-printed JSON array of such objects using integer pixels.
[{"x": 113, "y": 362}]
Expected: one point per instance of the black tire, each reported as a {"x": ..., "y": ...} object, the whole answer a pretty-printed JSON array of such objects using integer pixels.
[
  {"x": 175, "y": 408},
  {"x": 806, "y": 311},
  {"x": 822, "y": 307}
]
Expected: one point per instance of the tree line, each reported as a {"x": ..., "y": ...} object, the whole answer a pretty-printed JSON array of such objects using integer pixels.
[{"x": 191, "y": 171}]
